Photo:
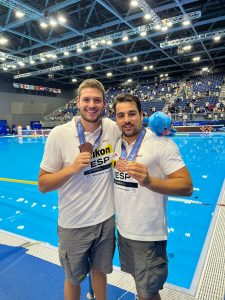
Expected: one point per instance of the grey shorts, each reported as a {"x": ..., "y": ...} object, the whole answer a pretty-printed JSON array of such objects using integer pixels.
[
  {"x": 82, "y": 249},
  {"x": 146, "y": 262}
]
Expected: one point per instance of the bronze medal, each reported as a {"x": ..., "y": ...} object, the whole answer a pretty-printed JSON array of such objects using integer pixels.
[
  {"x": 121, "y": 165},
  {"x": 86, "y": 147}
]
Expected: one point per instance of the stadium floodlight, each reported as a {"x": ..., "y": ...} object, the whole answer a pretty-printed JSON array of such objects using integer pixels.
[
  {"x": 217, "y": 38},
  {"x": 134, "y": 3},
  {"x": 32, "y": 13},
  {"x": 193, "y": 39},
  {"x": 61, "y": 19},
  {"x": 88, "y": 68},
  {"x": 19, "y": 14},
  {"x": 186, "y": 22},
  {"x": 39, "y": 72},
  {"x": 197, "y": 58},
  {"x": 149, "y": 12},
  {"x": 144, "y": 33},
  {"x": 107, "y": 40},
  {"x": 3, "y": 40}
]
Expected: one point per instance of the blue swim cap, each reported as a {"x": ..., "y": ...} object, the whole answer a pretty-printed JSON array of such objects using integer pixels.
[{"x": 160, "y": 123}]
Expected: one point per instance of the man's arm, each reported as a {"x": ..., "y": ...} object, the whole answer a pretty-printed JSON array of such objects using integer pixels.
[
  {"x": 51, "y": 181},
  {"x": 178, "y": 183}
]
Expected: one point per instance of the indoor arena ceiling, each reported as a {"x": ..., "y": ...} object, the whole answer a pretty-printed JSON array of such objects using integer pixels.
[{"x": 111, "y": 40}]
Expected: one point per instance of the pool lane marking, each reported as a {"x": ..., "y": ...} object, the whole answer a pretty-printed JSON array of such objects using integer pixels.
[
  {"x": 19, "y": 181},
  {"x": 186, "y": 201},
  {"x": 190, "y": 201}
]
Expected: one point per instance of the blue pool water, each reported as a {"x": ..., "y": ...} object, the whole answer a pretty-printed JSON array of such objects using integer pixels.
[{"x": 25, "y": 211}]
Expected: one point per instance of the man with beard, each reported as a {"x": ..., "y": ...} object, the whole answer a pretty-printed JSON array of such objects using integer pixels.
[{"x": 147, "y": 169}]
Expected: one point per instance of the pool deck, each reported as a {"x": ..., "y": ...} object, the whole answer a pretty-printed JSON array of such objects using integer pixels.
[{"x": 208, "y": 282}]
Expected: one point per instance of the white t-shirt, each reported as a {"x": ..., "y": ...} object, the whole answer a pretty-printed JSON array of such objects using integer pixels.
[
  {"x": 140, "y": 212},
  {"x": 86, "y": 199}
]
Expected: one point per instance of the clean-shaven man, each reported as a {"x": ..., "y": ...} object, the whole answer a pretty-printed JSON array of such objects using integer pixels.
[{"x": 77, "y": 162}]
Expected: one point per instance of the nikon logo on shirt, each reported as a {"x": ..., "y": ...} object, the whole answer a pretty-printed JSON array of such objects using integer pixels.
[{"x": 103, "y": 151}]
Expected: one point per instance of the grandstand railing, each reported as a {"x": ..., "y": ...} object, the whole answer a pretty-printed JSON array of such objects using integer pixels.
[{"x": 198, "y": 116}]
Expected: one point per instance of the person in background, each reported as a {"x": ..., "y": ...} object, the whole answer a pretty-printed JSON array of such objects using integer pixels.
[
  {"x": 147, "y": 169},
  {"x": 77, "y": 162}
]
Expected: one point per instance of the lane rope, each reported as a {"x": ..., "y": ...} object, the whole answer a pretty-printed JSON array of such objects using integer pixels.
[{"x": 19, "y": 181}]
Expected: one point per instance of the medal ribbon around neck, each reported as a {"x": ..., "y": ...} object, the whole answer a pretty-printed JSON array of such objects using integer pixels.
[
  {"x": 135, "y": 148},
  {"x": 121, "y": 163},
  {"x": 86, "y": 146}
]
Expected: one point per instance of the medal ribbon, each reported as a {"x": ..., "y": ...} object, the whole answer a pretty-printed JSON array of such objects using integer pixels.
[
  {"x": 81, "y": 136},
  {"x": 135, "y": 148}
]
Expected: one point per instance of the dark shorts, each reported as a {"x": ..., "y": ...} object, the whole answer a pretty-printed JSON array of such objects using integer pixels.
[
  {"x": 146, "y": 262},
  {"x": 82, "y": 249}
]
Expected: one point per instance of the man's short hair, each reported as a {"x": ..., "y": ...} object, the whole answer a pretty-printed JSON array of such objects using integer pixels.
[
  {"x": 127, "y": 98},
  {"x": 91, "y": 83}
]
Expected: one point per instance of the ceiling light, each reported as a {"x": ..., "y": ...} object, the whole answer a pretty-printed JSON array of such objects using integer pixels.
[
  {"x": 88, "y": 68},
  {"x": 147, "y": 16},
  {"x": 125, "y": 38},
  {"x": 22, "y": 64},
  {"x": 2, "y": 58},
  {"x": 79, "y": 50},
  {"x": 128, "y": 59},
  {"x": 3, "y": 40},
  {"x": 129, "y": 80},
  {"x": 13, "y": 66},
  {"x": 66, "y": 53},
  {"x": 197, "y": 58},
  {"x": 164, "y": 28},
  {"x": 186, "y": 22},
  {"x": 109, "y": 74},
  {"x": 157, "y": 26},
  {"x": 32, "y": 62},
  {"x": 62, "y": 19},
  {"x": 134, "y": 58},
  {"x": 109, "y": 42},
  {"x": 145, "y": 68},
  {"x": 43, "y": 24},
  {"x": 74, "y": 80},
  {"x": 5, "y": 69},
  {"x": 217, "y": 38},
  {"x": 134, "y": 3},
  {"x": 52, "y": 22},
  {"x": 144, "y": 33},
  {"x": 169, "y": 23},
  {"x": 187, "y": 48},
  {"x": 205, "y": 69},
  {"x": 19, "y": 14}
]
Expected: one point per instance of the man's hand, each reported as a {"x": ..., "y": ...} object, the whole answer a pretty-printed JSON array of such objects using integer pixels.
[
  {"x": 81, "y": 161},
  {"x": 139, "y": 172}
]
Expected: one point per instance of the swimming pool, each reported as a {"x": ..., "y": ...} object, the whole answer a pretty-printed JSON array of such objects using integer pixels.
[{"x": 25, "y": 211}]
